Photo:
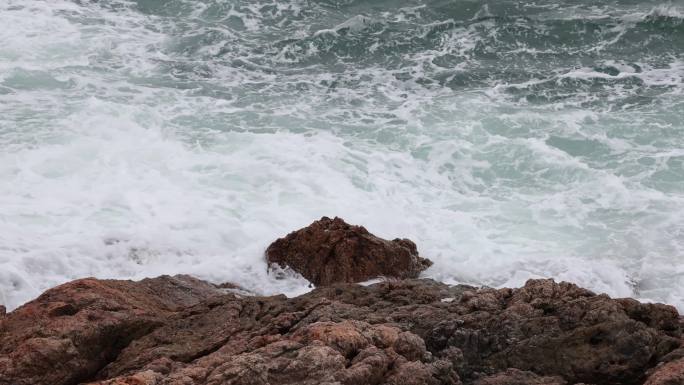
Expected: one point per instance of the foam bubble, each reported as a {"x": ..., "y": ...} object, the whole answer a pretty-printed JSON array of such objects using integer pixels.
[{"x": 147, "y": 138}]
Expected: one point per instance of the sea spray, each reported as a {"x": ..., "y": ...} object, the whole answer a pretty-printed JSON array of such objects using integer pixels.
[{"x": 509, "y": 139}]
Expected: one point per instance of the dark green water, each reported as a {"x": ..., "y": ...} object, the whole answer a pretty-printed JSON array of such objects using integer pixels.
[{"x": 509, "y": 139}]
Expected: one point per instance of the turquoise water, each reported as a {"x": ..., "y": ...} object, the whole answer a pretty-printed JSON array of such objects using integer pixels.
[{"x": 509, "y": 139}]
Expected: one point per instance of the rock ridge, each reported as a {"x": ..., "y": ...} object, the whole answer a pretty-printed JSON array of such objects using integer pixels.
[
  {"x": 403, "y": 331},
  {"x": 179, "y": 330}
]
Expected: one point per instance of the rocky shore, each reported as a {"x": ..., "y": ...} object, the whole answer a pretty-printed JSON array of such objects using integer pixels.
[{"x": 403, "y": 330}]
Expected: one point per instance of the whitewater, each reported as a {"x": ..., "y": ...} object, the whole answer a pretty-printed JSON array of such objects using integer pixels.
[{"x": 509, "y": 139}]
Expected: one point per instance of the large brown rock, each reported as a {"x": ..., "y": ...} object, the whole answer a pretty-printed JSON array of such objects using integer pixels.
[
  {"x": 72, "y": 331},
  {"x": 173, "y": 331},
  {"x": 330, "y": 251}
]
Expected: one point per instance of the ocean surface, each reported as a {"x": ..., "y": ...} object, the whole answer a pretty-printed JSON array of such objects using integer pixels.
[{"x": 508, "y": 139}]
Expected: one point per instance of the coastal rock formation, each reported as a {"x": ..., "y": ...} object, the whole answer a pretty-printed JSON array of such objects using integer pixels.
[
  {"x": 519, "y": 377},
  {"x": 330, "y": 251},
  {"x": 71, "y": 332},
  {"x": 183, "y": 331},
  {"x": 671, "y": 373},
  {"x": 178, "y": 330}
]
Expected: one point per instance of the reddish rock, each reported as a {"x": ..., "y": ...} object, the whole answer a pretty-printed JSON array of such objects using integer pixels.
[
  {"x": 147, "y": 377},
  {"x": 179, "y": 330},
  {"x": 330, "y": 251},
  {"x": 70, "y": 332},
  {"x": 519, "y": 377},
  {"x": 172, "y": 331},
  {"x": 671, "y": 373}
]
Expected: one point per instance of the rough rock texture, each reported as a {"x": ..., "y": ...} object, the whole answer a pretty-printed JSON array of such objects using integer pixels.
[
  {"x": 182, "y": 331},
  {"x": 671, "y": 373},
  {"x": 71, "y": 332},
  {"x": 519, "y": 377},
  {"x": 330, "y": 251}
]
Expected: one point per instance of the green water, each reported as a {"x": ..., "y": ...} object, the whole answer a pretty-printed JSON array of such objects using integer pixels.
[{"x": 509, "y": 139}]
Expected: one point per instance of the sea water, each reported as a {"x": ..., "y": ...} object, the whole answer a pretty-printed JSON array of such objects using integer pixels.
[{"x": 509, "y": 139}]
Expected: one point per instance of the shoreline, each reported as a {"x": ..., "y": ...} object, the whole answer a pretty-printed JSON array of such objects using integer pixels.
[
  {"x": 164, "y": 330},
  {"x": 402, "y": 330}
]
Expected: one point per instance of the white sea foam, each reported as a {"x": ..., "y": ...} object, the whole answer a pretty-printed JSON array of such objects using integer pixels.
[{"x": 137, "y": 141}]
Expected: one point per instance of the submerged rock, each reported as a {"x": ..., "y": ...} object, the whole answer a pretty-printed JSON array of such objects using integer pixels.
[
  {"x": 330, "y": 251},
  {"x": 177, "y": 330}
]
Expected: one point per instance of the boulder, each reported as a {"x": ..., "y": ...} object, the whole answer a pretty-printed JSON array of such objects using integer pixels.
[
  {"x": 330, "y": 251},
  {"x": 72, "y": 331}
]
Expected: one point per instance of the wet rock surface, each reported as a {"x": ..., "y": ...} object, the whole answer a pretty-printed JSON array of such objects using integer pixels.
[
  {"x": 330, "y": 251},
  {"x": 178, "y": 330}
]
